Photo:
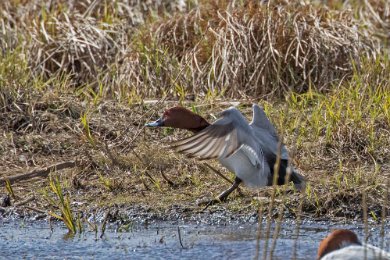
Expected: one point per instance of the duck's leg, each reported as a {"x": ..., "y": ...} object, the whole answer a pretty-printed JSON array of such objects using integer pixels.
[{"x": 223, "y": 196}]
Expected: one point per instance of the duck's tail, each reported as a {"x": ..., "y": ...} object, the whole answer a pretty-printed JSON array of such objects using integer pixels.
[
  {"x": 284, "y": 169},
  {"x": 298, "y": 180}
]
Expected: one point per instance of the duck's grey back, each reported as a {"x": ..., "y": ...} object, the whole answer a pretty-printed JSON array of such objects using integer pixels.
[{"x": 233, "y": 115}]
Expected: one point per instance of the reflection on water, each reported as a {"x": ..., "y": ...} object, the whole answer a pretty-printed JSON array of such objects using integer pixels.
[{"x": 161, "y": 240}]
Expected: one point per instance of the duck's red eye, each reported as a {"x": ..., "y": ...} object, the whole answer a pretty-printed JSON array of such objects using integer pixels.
[{"x": 167, "y": 112}]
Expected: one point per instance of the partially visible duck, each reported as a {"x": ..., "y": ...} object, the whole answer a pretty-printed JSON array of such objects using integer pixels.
[
  {"x": 343, "y": 244},
  {"x": 248, "y": 150}
]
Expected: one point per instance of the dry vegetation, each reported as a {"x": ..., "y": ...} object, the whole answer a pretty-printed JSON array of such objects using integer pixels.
[{"x": 74, "y": 75}]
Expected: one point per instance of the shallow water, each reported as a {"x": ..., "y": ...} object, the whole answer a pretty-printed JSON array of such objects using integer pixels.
[{"x": 161, "y": 241}]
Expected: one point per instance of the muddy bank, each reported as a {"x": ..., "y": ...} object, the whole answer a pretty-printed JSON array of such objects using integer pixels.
[{"x": 145, "y": 215}]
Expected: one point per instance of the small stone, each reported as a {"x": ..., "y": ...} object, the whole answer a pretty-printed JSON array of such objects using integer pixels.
[{"x": 5, "y": 200}]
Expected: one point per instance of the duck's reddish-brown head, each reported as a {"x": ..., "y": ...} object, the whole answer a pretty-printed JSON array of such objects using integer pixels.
[
  {"x": 336, "y": 240},
  {"x": 180, "y": 117}
]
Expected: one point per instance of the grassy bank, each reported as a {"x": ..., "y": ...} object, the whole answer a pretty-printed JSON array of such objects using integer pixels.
[{"x": 74, "y": 79}]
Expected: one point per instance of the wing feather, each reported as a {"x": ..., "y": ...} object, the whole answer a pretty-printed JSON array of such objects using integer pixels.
[{"x": 215, "y": 141}]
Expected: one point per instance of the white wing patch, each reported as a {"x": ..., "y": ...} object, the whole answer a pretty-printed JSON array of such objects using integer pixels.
[{"x": 252, "y": 155}]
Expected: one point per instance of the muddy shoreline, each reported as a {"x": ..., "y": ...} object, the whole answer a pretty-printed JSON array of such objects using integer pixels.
[{"x": 144, "y": 215}]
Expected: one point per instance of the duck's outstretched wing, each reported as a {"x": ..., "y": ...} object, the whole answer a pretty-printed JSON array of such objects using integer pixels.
[
  {"x": 218, "y": 140},
  {"x": 261, "y": 121},
  {"x": 266, "y": 132}
]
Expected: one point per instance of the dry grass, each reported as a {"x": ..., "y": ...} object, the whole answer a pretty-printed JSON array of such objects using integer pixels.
[
  {"x": 75, "y": 45},
  {"x": 73, "y": 77},
  {"x": 254, "y": 50},
  {"x": 238, "y": 50},
  {"x": 82, "y": 39},
  {"x": 374, "y": 17}
]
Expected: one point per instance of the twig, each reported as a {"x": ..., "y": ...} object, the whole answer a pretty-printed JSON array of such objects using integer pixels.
[
  {"x": 223, "y": 177},
  {"x": 90, "y": 8},
  {"x": 178, "y": 231},
  {"x": 170, "y": 183},
  {"x": 152, "y": 180},
  {"x": 259, "y": 229},
  {"x": 298, "y": 225},
  {"x": 147, "y": 167},
  {"x": 105, "y": 223},
  {"x": 145, "y": 185},
  {"x": 365, "y": 215},
  {"x": 383, "y": 214},
  {"x": 110, "y": 155},
  {"x": 24, "y": 201},
  {"x": 221, "y": 103},
  {"x": 44, "y": 172},
  {"x": 35, "y": 209},
  {"x": 218, "y": 173}
]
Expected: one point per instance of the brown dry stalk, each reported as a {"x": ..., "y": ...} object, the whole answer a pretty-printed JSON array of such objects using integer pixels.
[
  {"x": 259, "y": 228},
  {"x": 43, "y": 172},
  {"x": 18, "y": 204},
  {"x": 36, "y": 209},
  {"x": 218, "y": 173}
]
